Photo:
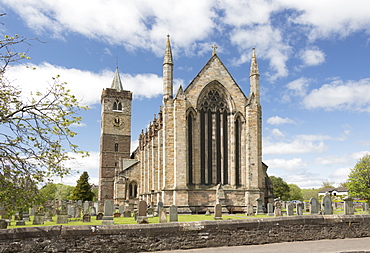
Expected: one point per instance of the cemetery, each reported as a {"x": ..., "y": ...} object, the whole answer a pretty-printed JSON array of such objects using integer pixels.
[{"x": 67, "y": 225}]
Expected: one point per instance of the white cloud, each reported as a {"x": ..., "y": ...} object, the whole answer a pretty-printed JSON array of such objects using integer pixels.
[
  {"x": 277, "y": 133},
  {"x": 276, "y": 120},
  {"x": 301, "y": 144},
  {"x": 296, "y": 88},
  {"x": 84, "y": 84},
  {"x": 340, "y": 175},
  {"x": 312, "y": 57},
  {"x": 339, "y": 95},
  {"x": 290, "y": 165},
  {"x": 347, "y": 159}
]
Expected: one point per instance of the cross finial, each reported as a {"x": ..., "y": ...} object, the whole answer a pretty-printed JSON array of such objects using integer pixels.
[{"x": 214, "y": 49}]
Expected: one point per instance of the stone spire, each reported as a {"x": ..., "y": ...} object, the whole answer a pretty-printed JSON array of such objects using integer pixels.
[
  {"x": 254, "y": 78},
  {"x": 168, "y": 72},
  {"x": 117, "y": 84},
  {"x": 254, "y": 65}
]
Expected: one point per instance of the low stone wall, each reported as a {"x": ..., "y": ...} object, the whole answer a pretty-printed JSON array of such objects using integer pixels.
[{"x": 182, "y": 235}]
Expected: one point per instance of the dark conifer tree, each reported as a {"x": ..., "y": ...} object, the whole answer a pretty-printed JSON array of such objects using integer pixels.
[{"x": 82, "y": 191}]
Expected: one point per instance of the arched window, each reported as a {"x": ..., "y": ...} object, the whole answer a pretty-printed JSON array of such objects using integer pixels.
[
  {"x": 213, "y": 138},
  {"x": 115, "y": 106},
  {"x": 190, "y": 148},
  {"x": 116, "y": 147},
  {"x": 119, "y": 106},
  {"x": 237, "y": 150},
  {"x": 132, "y": 190}
]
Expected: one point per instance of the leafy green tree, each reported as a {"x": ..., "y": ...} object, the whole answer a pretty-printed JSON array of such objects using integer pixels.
[
  {"x": 295, "y": 192},
  {"x": 310, "y": 193},
  {"x": 48, "y": 191},
  {"x": 359, "y": 179},
  {"x": 343, "y": 185},
  {"x": 96, "y": 192},
  {"x": 35, "y": 134},
  {"x": 327, "y": 184},
  {"x": 63, "y": 192},
  {"x": 281, "y": 188},
  {"x": 82, "y": 191}
]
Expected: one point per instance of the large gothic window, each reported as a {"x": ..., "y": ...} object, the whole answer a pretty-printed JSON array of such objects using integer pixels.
[
  {"x": 237, "y": 130},
  {"x": 213, "y": 139}
]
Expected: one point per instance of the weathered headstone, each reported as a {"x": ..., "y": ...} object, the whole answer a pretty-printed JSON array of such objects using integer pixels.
[
  {"x": 116, "y": 215},
  {"x": 270, "y": 209},
  {"x": 93, "y": 211},
  {"x": 160, "y": 206},
  {"x": 108, "y": 212},
  {"x": 99, "y": 216},
  {"x": 86, "y": 218},
  {"x": 127, "y": 213},
  {"x": 141, "y": 216},
  {"x": 86, "y": 206},
  {"x": 314, "y": 206},
  {"x": 348, "y": 206},
  {"x": 163, "y": 215},
  {"x": 299, "y": 209},
  {"x": 208, "y": 213},
  {"x": 79, "y": 203},
  {"x": 77, "y": 213},
  {"x": 173, "y": 214},
  {"x": 290, "y": 209},
  {"x": 218, "y": 212},
  {"x": 277, "y": 209},
  {"x": 326, "y": 202},
  {"x": 121, "y": 209},
  {"x": 71, "y": 211},
  {"x": 366, "y": 207},
  {"x": 62, "y": 218},
  {"x": 150, "y": 212},
  {"x": 38, "y": 219},
  {"x": 3, "y": 224},
  {"x": 101, "y": 208},
  {"x": 259, "y": 209}
]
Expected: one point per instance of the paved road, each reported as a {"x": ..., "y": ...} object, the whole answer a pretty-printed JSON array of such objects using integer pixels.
[{"x": 353, "y": 245}]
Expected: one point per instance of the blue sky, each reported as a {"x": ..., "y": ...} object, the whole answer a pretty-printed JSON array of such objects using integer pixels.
[{"x": 314, "y": 61}]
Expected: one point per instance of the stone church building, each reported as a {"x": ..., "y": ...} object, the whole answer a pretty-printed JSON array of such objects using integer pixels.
[{"x": 204, "y": 147}]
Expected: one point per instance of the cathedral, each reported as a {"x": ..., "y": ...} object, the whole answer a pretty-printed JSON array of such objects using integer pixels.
[{"x": 204, "y": 147}]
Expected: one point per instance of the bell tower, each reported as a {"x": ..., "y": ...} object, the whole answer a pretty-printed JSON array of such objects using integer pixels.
[{"x": 115, "y": 134}]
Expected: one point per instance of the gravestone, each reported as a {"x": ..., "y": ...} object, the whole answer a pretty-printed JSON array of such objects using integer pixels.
[
  {"x": 62, "y": 216},
  {"x": 163, "y": 215},
  {"x": 270, "y": 209},
  {"x": 218, "y": 212},
  {"x": 38, "y": 219},
  {"x": 127, "y": 213},
  {"x": 290, "y": 209},
  {"x": 173, "y": 214},
  {"x": 96, "y": 205},
  {"x": 150, "y": 212},
  {"x": 3, "y": 224},
  {"x": 121, "y": 209},
  {"x": 259, "y": 209},
  {"x": 116, "y": 215},
  {"x": 101, "y": 208},
  {"x": 159, "y": 206},
  {"x": 299, "y": 209},
  {"x": 366, "y": 207},
  {"x": 326, "y": 202},
  {"x": 93, "y": 211},
  {"x": 348, "y": 206},
  {"x": 314, "y": 206},
  {"x": 141, "y": 216},
  {"x": 79, "y": 203},
  {"x": 71, "y": 211},
  {"x": 99, "y": 216},
  {"x": 108, "y": 212},
  {"x": 208, "y": 212},
  {"x": 277, "y": 209},
  {"x": 77, "y": 213},
  {"x": 86, "y": 218},
  {"x": 86, "y": 207}
]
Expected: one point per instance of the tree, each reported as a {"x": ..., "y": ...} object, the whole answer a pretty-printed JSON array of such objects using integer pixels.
[
  {"x": 359, "y": 179},
  {"x": 63, "y": 192},
  {"x": 281, "y": 188},
  {"x": 48, "y": 191},
  {"x": 35, "y": 134},
  {"x": 309, "y": 193},
  {"x": 295, "y": 192},
  {"x": 82, "y": 191},
  {"x": 327, "y": 184}
]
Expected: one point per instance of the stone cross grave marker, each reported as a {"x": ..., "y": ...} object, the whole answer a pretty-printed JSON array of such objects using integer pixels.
[
  {"x": 326, "y": 202},
  {"x": 314, "y": 206},
  {"x": 173, "y": 214},
  {"x": 218, "y": 212}
]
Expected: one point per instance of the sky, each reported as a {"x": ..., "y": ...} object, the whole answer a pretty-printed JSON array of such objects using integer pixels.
[{"x": 313, "y": 56}]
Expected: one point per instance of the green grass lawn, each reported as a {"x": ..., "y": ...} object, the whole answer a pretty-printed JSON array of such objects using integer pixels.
[{"x": 130, "y": 220}]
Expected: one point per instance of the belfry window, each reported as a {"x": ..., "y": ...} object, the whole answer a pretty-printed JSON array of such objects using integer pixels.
[
  {"x": 114, "y": 106},
  {"x": 116, "y": 147},
  {"x": 117, "y": 106}
]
